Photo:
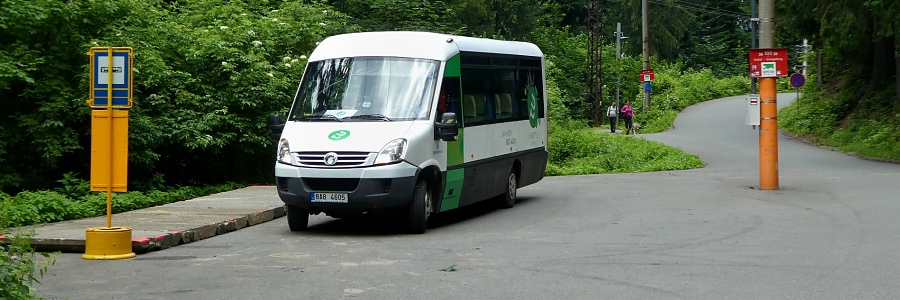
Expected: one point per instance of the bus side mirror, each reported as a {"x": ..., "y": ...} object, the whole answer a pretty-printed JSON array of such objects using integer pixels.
[
  {"x": 275, "y": 127},
  {"x": 447, "y": 129}
]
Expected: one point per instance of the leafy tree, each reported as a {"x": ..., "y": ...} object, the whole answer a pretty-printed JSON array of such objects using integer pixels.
[
  {"x": 207, "y": 74},
  {"x": 384, "y": 15}
]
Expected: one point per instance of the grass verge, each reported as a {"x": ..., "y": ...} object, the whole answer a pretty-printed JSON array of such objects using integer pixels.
[
  {"x": 838, "y": 121},
  {"x": 575, "y": 149}
]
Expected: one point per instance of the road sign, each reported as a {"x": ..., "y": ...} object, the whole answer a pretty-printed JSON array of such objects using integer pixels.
[
  {"x": 647, "y": 75},
  {"x": 118, "y": 70},
  {"x": 766, "y": 63},
  {"x": 797, "y": 80},
  {"x": 647, "y": 87}
]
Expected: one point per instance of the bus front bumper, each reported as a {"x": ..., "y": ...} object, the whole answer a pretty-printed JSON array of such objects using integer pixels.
[{"x": 366, "y": 189}]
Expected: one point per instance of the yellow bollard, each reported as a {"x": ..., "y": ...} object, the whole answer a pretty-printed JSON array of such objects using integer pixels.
[{"x": 107, "y": 243}]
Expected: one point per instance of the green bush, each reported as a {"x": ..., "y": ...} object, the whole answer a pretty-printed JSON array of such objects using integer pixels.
[
  {"x": 575, "y": 149},
  {"x": 207, "y": 74},
  {"x": 854, "y": 119},
  {"x": 676, "y": 88},
  {"x": 27, "y": 208},
  {"x": 20, "y": 266},
  {"x": 73, "y": 187}
]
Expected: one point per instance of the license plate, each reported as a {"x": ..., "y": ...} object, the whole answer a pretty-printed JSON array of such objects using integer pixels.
[{"x": 328, "y": 197}]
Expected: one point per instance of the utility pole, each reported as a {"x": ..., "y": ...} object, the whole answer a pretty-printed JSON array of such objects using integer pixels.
[
  {"x": 753, "y": 24},
  {"x": 595, "y": 58},
  {"x": 619, "y": 39},
  {"x": 768, "y": 113},
  {"x": 645, "y": 33}
]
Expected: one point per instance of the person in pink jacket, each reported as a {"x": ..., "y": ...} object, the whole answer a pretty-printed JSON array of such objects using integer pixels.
[{"x": 627, "y": 114}]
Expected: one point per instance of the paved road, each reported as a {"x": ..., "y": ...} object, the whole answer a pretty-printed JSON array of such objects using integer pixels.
[{"x": 830, "y": 232}]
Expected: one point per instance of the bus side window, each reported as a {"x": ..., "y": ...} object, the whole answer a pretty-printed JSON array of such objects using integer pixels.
[
  {"x": 526, "y": 79},
  {"x": 451, "y": 99}
]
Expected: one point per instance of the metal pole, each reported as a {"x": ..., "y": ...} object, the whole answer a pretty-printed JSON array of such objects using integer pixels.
[
  {"x": 618, "y": 56},
  {"x": 109, "y": 111},
  {"x": 595, "y": 59},
  {"x": 645, "y": 33},
  {"x": 768, "y": 123},
  {"x": 753, "y": 25}
]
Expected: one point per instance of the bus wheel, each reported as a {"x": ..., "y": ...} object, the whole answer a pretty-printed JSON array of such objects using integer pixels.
[
  {"x": 419, "y": 208},
  {"x": 508, "y": 199},
  {"x": 297, "y": 218}
]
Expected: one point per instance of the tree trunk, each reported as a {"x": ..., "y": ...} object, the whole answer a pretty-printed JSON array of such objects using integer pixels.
[
  {"x": 897, "y": 63},
  {"x": 819, "y": 78},
  {"x": 881, "y": 57}
]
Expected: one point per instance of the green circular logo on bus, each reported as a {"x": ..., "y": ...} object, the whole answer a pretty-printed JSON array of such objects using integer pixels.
[{"x": 338, "y": 135}]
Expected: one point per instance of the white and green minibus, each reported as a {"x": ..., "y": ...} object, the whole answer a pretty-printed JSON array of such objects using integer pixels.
[{"x": 411, "y": 122}]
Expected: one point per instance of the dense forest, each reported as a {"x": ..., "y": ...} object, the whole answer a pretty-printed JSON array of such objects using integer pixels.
[{"x": 208, "y": 72}]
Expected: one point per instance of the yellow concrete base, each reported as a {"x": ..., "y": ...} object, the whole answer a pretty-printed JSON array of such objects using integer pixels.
[{"x": 107, "y": 243}]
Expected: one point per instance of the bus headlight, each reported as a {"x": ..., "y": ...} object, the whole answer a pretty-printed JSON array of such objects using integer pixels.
[
  {"x": 392, "y": 152},
  {"x": 284, "y": 152}
]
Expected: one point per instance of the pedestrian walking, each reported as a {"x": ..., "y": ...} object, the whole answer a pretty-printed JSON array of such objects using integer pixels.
[
  {"x": 627, "y": 113},
  {"x": 612, "y": 112}
]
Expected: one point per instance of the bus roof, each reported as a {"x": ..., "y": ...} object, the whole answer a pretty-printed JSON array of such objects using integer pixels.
[{"x": 414, "y": 44}]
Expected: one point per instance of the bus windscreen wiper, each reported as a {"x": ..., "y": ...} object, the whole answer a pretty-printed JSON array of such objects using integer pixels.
[
  {"x": 371, "y": 117},
  {"x": 323, "y": 118}
]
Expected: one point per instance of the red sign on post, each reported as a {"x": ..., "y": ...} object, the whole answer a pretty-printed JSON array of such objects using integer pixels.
[
  {"x": 647, "y": 75},
  {"x": 768, "y": 63}
]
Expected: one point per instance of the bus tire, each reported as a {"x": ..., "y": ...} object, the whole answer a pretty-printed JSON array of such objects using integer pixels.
[
  {"x": 508, "y": 199},
  {"x": 419, "y": 208},
  {"x": 298, "y": 218}
]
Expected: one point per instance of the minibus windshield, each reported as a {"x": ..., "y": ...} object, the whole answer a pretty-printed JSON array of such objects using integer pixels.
[{"x": 366, "y": 89}]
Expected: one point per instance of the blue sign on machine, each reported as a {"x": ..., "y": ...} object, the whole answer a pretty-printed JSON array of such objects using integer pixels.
[
  {"x": 111, "y": 75},
  {"x": 797, "y": 80}
]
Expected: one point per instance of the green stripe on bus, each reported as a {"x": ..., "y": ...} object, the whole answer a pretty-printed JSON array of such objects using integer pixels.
[
  {"x": 455, "y": 154},
  {"x": 453, "y": 67},
  {"x": 453, "y": 189}
]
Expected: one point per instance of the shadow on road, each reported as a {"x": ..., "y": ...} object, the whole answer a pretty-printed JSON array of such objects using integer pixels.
[{"x": 388, "y": 225}]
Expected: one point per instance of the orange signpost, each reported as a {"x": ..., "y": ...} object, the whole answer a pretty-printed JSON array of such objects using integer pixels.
[{"x": 111, "y": 97}]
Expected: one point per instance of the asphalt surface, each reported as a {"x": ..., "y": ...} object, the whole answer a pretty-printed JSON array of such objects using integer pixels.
[{"x": 829, "y": 232}]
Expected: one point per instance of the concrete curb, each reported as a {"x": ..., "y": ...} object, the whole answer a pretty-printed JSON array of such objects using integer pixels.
[{"x": 145, "y": 244}]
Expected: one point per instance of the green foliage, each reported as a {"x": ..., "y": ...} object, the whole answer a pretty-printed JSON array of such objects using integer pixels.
[
  {"x": 27, "y": 208},
  {"x": 576, "y": 149},
  {"x": 828, "y": 119},
  {"x": 855, "y": 106},
  {"x": 20, "y": 266},
  {"x": 73, "y": 187},
  {"x": 676, "y": 88},
  {"x": 556, "y": 104},
  {"x": 207, "y": 74},
  {"x": 566, "y": 55},
  {"x": 655, "y": 120},
  {"x": 385, "y": 15}
]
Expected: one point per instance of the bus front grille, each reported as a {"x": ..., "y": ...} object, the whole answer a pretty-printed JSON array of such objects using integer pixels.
[{"x": 344, "y": 159}]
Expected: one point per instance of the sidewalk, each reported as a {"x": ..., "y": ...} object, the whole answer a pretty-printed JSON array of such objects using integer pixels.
[{"x": 173, "y": 224}]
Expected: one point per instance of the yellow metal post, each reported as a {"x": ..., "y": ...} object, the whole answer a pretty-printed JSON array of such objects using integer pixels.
[
  {"x": 109, "y": 101},
  {"x": 109, "y": 242}
]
